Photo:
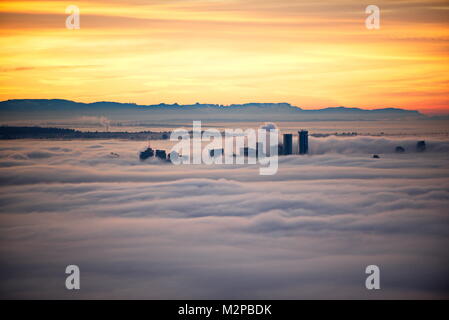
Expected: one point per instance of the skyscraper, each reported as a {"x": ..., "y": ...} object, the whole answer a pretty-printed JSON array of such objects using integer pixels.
[
  {"x": 303, "y": 142},
  {"x": 288, "y": 144},
  {"x": 259, "y": 150}
]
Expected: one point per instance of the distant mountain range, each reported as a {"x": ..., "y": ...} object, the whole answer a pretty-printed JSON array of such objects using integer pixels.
[{"x": 57, "y": 109}]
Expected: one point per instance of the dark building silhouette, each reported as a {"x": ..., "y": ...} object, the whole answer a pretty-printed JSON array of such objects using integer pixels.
[
  {"x": 216, "y": 152},
  {"x": 280, "y": 149},
  {"x": 303, "y": 142},
  {"x": 399, "y": 149},
  {"x": 248, "y": 152},
  {"x": 287, "y": 146},
  {"x": 421, "y": 146},
  {"x": 148, "y": 153},
  {"x": 161, "y": 154}
]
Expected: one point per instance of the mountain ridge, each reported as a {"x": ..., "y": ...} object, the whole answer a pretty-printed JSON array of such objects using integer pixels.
[
  {"x": 61, "y": 108},
  {"x": 250, "y": 104}
]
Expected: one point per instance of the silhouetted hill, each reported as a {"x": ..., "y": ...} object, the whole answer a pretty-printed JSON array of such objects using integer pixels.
[{"x": 40, "y": 109}]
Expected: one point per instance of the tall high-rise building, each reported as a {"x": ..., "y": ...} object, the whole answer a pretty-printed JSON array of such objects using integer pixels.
[
  {"x": 288, "y": 144},
  {"x": 259, "y": 150},
  {"x": 303, "y": 142}
]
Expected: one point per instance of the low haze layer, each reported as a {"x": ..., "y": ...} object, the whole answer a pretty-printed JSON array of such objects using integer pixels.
[{"x": 155, "y": 230}]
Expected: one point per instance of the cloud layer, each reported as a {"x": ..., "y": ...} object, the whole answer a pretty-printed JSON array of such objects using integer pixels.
[{"x": 154, "y": 230}]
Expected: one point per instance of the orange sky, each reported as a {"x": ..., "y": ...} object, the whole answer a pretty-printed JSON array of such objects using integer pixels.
[{"x": 308, "y": 53}]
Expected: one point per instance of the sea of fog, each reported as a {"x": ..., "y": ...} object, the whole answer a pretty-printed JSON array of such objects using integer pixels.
[
  {"x": 154, "y": 230},
  {"x": 375, "y": 128}
]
